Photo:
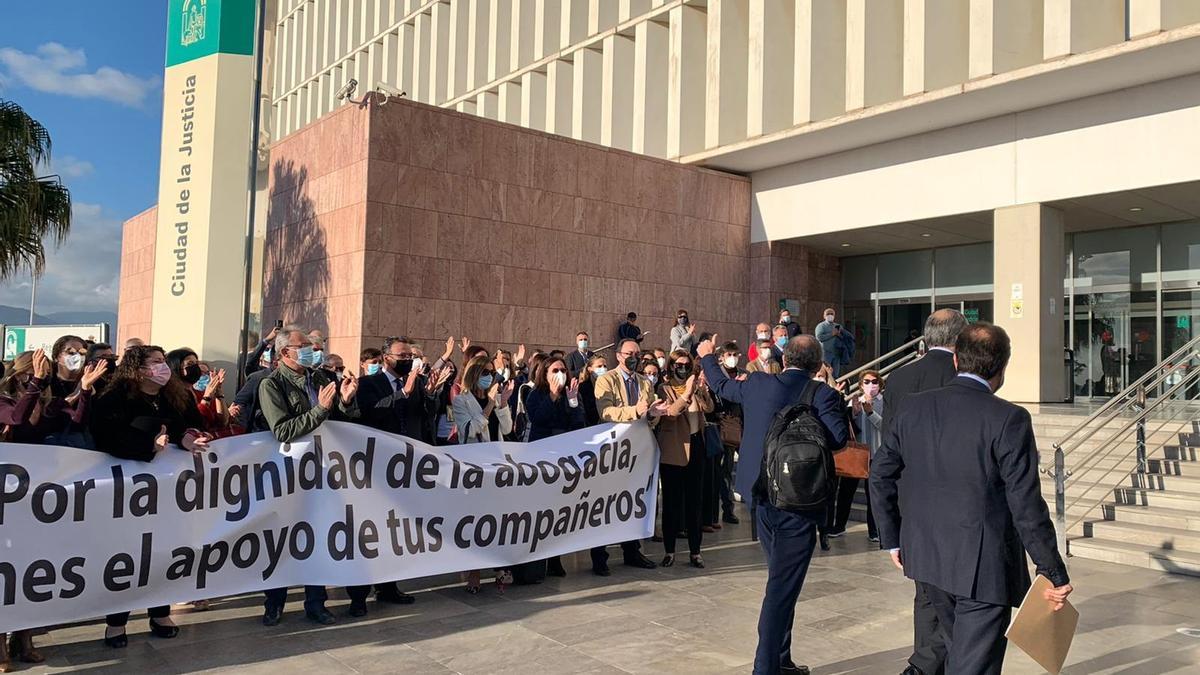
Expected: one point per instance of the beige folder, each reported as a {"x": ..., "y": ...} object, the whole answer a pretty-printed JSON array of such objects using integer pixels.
[{"x": 1042, "y": 633}]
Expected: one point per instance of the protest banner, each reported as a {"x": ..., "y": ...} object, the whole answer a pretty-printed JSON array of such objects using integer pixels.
[{"x": 83, "y": 534}]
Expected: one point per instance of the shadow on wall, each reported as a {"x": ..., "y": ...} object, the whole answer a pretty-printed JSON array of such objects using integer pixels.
[{"x": 296, "y": 287}]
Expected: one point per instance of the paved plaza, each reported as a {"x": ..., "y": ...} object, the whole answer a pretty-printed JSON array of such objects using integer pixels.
[{"x": 854, "y": 616}]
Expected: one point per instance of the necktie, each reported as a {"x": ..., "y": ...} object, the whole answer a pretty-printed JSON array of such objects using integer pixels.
[{"x": 631, "y": 390}]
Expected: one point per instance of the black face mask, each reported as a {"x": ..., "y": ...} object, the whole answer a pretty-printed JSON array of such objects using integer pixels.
[
  {"x": 403, "y": 367},
  {"x": 682, "y": 372},
  {"x": 631, "y": 363},
  {"x": 191, "y": 374}
]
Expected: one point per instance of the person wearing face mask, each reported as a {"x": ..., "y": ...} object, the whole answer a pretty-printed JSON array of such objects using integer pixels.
[
  {"x": 370, "y": 362},
  {"x": 727, "y": 415},
  {"x": 683, "y": 333},
  {"x": 401, "y": 397},
  {"x": 40, "y": 405},
  {"x": 837, "y": 344},
  {"x": 628, "y": 330},
  {"x": 577, "y": 360},
  {"x": 521, "y": 391},
  {"x": 866, "y": 414},
  {"x": 256, "y": 359},
  {"x": 333, "y": 363},
  {"x": 786, "y": 320},
  {"x": 597, "y": 366},
  {"x": 102, "y": 351},
  {"x": 761, "y": 332},
  {"x": 660, "y": 357},
  {"x": 554, "y": 408},
  {"x": 764, "y": 359},
  {"x": 680, "y": 434},
  {"x": 296, "y": 398},
  {"x": 143, "y": 412},
  {"x": 317, "y": 338},
  {"x": 205, "y": 387}
]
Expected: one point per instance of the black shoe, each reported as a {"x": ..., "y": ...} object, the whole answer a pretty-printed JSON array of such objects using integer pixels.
[
  {"x": 697, "y": 562},
  {"x": 602, "y": 570},
  {"x": 272, "y": 616},
  {"x": 731, "y": 519},
  {"x": 162, "y": 630},
  {"x": 555, "y": 569},
  {"x": 358, "y": 608},
  {"x": 824, "y": 542},
  {"x": 321, "y": 616},
  {"x": 793, "y": 669},
  {"x": 117, "y": 641},
  {"x": 912, "y": 670},
  {"x": 667, "y": 561},
  {"x": 394, "y": 596},
  {"x": 640, "y": 561},
  {"x": 656, "y": 539}
]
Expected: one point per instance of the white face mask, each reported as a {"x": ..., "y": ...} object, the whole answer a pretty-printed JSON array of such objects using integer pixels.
[
  {"x": 762, "y": 335},
  {"x": 73, "y": 362},
  {"x": 507, "y": 374},
  {"x": 653, "y": 379},
  {"x": 599, "y": 371},
  {"x": 417, "y": 363},
  {"x": 662, "y": 361},
  {"x": 829, "y": 318},
  {"x": 559, "y": 379},
  {"x": 731, "y": 362}
]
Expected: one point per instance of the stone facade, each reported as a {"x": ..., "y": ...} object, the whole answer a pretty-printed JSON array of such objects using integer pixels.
[{"x": 136, "y": 286}]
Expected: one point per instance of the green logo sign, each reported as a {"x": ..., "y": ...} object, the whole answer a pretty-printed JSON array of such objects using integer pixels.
[
  {"x": 197, "y": 28},
  {"x": 1183, "y": 321},
  {"x": 14, "y": 342},
  {"x": 972, "y": 314}
]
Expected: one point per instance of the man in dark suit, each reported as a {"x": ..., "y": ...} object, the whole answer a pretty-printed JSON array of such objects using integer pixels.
[
  {"x": 578, "y": 359},
  {"x": 933, "y": 371},
  {"x": 958, "y": 502},
  {"x": 787, "y": 537}
]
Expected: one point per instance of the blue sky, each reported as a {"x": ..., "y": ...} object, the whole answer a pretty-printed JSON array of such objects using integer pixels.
[{"x": 92, "y": 74}]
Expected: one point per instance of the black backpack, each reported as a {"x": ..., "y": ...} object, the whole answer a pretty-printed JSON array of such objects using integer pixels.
[{"x": 797, "y": 462}]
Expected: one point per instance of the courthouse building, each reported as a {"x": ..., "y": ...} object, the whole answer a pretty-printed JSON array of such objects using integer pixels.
[{"x": 558, "y": 163}]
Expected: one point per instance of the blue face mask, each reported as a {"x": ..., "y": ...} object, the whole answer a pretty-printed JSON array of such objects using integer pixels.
[
  {"x": 781, "y": 341},
  {"x": 599, "y": 371},
  {"x": 305, "y": 357},
  {"x": 373, "y": 368},
  {"x": 318, "y": 358},
  {"x": 202, "y": 383},
  {"x": 485, "y": 381}
]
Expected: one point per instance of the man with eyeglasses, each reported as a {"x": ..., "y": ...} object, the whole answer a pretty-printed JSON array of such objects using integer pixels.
[
  {"x": 401, "y": 397},
  {"x": 624, "y": 395},
  {"x": 296, "y": 398}
]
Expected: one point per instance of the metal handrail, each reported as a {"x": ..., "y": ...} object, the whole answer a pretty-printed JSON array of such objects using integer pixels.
[
  {"x": 1120, "y": 398},
  {"x": 1140, "y": 447},
  {"x": 884, "y": 372},
  {"x": 870, "y": 364}
]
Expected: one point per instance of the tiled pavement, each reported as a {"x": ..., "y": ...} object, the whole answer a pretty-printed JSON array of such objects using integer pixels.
[{"x": 854, "y": 616}]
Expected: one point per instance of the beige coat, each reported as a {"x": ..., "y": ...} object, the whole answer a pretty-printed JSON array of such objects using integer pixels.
[
  {"x": 610, "y": 396},
  {"x": 683, "y": 419}
]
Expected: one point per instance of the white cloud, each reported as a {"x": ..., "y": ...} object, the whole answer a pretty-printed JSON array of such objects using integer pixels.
[
  {"x": 82, "y": 274},
  {"x": 46, "y": 71},
  {"x": 69, "y": 166}
]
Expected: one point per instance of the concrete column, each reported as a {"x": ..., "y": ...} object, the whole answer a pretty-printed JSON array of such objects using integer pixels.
[
  {"x": 389, "y": 55},
  {"x": 573, "y": 22},
  {"x": 651, "y": 84},
  {"x": 533, "y": 100},
  {"x": 477, "y": 44},
  {"x": 510, "y": 102},
  {"x": 686, "y": 95},
  {"x": 616, "y": 123},
  {"x": 524, "y": 19},
  {"x": 728, "y": 58},
  {"x": 405, "y": 42},
  {"x": 1028, "y": 245},
  {"x": 771, "y": 66},
  {"x": 627, "y": 9},
  {"x": 487, "y": 104},
  {"x": 560, "y": 78},
  {"x": 587, "y": 95},
  {"x": 819, "y": 89},
  {"x": 1004, "y": 35},
  {"x": 874, "y": 52},
  {"x": 1077, "y": 26},
  {"x": 460, "y": 34},
  {"x": 422, "y": 52},
  {"x": 935, "y": 44},
  {"x": 602, "y": 15},
  {"x": 466, "y": 106},
  {"x": 374, "y": 67},
  {"x": 439, "y": 61},
  {"x": 547, "y": 27},
  {"x": 500, "y": 35},
  {"x": 1147, "y": 17}
]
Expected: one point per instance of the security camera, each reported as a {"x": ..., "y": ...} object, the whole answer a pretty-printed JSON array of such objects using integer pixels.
[
  {"x": 347, "y": 90},
  {"x": 387, "y": 92}
]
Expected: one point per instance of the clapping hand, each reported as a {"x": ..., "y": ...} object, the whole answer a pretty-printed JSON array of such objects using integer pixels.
[
  {"x": 658, "y": 409},
  {"x": 91, "y": 373},
  {"x": 326, "y": 396},
  {"x": 215, "y": 381},
  {"x": 442, "y": 378},
  {"x": 348, "y": 387},
  {"x": 643, "y": 406},
  {"x": 449, "y": 348},
  {"x": 41, "y": 364},
  {"x": 573, "y": 390},
  {"x": 506, "y": 393},
  {"x": 466, "y": 342},
  {"x": 520, "y": 353},
  {"x": 196, "y": 443}
]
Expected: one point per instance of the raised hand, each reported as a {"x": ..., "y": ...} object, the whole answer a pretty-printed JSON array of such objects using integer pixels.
[
  {"x": 449, "y": 348},
  {"x": 41, "y": 364},
  {"x": 520, "y": 353},
  {"x": 437, "y": 383},
  {"x": 271, "y": 336},
  {"x": 326, "y": 396},
  {"x": 707, "y": 347},
  {"x": 466, "y": 342},
  {"x": 348, "y": 387},
  {"x": 215, "y": 381},
  {"x": 91, "y": 373},
  {"x": 691, "y": 329},
  {"x": 506, "y": 393},
  {"x": 573, "y": 390},
  {"x": 161, "y": 440}
]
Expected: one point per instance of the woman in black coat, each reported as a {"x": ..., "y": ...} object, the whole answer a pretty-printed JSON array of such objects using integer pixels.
[
  {"x": 144, "y": 409},
  {"x": 596, "y": 366}
]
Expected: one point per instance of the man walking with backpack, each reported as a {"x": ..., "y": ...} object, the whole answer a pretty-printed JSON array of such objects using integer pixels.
[{"x": 793, "y": 424}]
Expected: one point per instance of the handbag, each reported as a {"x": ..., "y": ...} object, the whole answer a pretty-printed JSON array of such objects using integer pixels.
[
  {"x": 731, "y": 430},
  {"x": 854, "y": 460},
  {"x": 712, "y": 441}
]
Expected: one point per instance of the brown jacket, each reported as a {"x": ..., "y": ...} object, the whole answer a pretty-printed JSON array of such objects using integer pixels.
[
  {"x": 756, "y": 366},
  {"x": 675, "y": 429},
  {"x": 610, "y": 396}
]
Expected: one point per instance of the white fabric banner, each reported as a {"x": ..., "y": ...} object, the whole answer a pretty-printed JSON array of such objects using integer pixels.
[{"x": 83, "y": 534}]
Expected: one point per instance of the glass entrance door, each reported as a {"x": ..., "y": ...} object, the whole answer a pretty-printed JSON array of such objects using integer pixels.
[
  {"x": 1180, "y": 324},
  {"x": 900, "y": 323}
]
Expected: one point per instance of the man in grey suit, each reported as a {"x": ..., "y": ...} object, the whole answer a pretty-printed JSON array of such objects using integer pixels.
[{"x": 958, "y": 503}]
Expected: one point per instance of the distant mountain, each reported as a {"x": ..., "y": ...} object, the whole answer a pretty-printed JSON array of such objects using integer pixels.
[{"x": 20, "y": 316}]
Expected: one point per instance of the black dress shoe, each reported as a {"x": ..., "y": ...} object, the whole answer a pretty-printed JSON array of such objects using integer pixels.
[
  {"x": 824, "y": 542},
  {"x": 793, "y": 669},
  {"x": 602, "y": 570},
  {"x": 731, "y": 519},
  {"x": 321, "y": 616},
  {"x": 555, "y": 569},
  {"x": 640, "y": 561},
  {"x": 912, "y": 670},
  {"x": 394, "y": 596},
  {"x": 117, "y": 641},
  {"x": 272, "y": 616},
  {"x": 160, "y": 630},
  {"x": 697, "y": 562},
  {"x": 667, "y": 561},
  {"x": 358, "y": 608}
]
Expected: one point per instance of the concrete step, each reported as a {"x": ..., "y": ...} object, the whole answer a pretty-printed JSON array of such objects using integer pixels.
[
  {"x": 1165, "y": 481},
  {"x": 1165, "y": 538},
  {"x": 1170, "y": 498},
  {"x": 1156, "y": 516},
  {"x": 1135, "y": 555}
]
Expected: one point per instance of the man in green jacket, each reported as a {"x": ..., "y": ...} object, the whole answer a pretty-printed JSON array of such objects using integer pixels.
[{"x": 295, "y": 399}]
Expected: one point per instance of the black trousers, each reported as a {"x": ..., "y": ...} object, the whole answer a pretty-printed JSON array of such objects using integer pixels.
[
  {"x": 121, "y": 618},
  {"x": 363, "y": 592},
  {"x": 974, "y": 631},
  {"x": 682, "y": 489},
  {"x": 788, "y": 539},
  {"x": 929, "y": 641},
  {"x": 314, "y": 597},
  {"x": 718, "y": 476},
  {"x": 631, "y": 549}
]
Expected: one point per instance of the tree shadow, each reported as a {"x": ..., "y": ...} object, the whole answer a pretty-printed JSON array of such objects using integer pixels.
[{"x": 296, "y": 258}]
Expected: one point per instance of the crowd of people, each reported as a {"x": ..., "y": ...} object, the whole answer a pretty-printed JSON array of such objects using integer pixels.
[{"x": 711, "y": 408}]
